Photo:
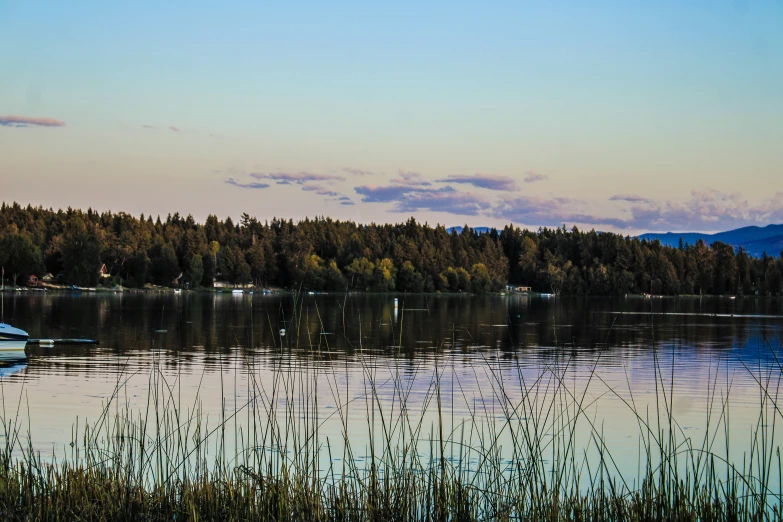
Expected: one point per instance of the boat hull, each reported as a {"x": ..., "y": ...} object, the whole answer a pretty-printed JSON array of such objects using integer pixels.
[{"x": 9, "y": 333}]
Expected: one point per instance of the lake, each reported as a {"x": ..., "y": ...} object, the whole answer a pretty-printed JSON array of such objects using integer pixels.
[{"x": 604, "y": 373}]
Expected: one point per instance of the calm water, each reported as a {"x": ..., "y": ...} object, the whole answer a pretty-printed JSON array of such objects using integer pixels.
[{"x": 491, "y": 357}]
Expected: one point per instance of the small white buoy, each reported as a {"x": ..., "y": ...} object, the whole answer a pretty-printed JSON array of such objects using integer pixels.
[{"x": 282, "y": 332}]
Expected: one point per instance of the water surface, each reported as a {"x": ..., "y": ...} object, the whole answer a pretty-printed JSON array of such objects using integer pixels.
[{"x": 351, "y": 362}]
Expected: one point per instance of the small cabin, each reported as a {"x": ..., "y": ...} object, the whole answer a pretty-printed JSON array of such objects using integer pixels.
[
  {"x": 104, "y": 272},
  {"x": 33, "y": 280}
]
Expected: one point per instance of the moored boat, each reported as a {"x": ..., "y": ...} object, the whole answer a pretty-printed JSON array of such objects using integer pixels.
[{"x": 9, "y": 333}]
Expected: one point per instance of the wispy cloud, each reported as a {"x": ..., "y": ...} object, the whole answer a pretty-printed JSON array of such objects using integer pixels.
[
  {"x": 383, "y": 193},
  {"x": 541, "y": 211},
  {"x": 485, "y": 181},
  {"x": 251, "y": 185},
  {"x": 342, "y": 200},
  {"x": 418, "y": 198},
  {"x": 295, "y": 177},
  {"x": 409, "y": 192},
  {"x": 27, "y": 121},
  {"x": 172, "y": 128},
  {"x": 443, "y": 200},
  {"x": 630, "y": 198},
  {"x": 532, "y": 177},
  {"x": 319, "y": 189},
  {"x": 412, "y": 179},
  {"x": 358, "y": 172},
  {"x": 705, "y": 210}
]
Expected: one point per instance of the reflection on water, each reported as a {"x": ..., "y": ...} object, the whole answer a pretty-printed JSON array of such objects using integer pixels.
[
  {"x": 510, "y": 356},
  {"x": 12, "y": 357},
  {"x": 12, "y": 350},
  {"x": 11, "y": 367},
  {"x": 127, "y": 323}
]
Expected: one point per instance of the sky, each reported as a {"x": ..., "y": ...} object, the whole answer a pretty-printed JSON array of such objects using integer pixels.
[{"x": 622, "y": 116}]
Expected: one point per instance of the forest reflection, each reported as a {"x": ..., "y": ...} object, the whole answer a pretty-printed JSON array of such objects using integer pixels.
[{"x": 330, "y": 328}]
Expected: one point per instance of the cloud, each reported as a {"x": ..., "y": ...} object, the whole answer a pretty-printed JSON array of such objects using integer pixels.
[
  {"x": 358, "y": 172},
  {"x": 483, "y": 181},
  {"x": 412, "y": 179},
  {"x": 305, "y": 180},
  {"x": 319, "y": 189},
  {"x": 155, "y": 127},
  {"x": 251, "y": 185},
  {"x": 532, "y": 177},
  {"x": 540, "y": 211},
  {"x": 383, "y": 193},
  {"x": 630, "y": 198},
  {"x": 284, "y": 178},
  {"x": 705, "y": 210},
  {"x": 702, "y": 210},
  {"x": 417, "y": 198},
  {"x": 443, "y": 200},
  {"x": 27, "y": 121}
]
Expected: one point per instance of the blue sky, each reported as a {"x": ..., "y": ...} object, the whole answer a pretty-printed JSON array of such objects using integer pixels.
[{"x": 622, "y": 116}]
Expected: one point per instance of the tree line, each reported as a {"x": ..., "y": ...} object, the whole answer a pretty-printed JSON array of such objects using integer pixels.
[{"x": 329, "y": 255}]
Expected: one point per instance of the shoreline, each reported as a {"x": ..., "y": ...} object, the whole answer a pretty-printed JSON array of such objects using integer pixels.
[{"x": 50, "y": 288}]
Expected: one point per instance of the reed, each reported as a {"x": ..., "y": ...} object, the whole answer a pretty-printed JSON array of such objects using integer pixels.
[{"x": 267, "y": 458}]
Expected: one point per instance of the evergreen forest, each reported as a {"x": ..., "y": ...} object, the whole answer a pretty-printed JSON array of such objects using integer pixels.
[{"x": 327, "y": 255}]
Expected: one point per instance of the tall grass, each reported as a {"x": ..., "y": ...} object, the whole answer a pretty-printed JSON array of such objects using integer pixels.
[{"x": 515, "y": 455}]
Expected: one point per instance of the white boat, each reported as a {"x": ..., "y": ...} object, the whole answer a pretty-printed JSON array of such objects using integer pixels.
[
  {"x": 237, "y": 291},
  {"x": 9, "y": 333}
]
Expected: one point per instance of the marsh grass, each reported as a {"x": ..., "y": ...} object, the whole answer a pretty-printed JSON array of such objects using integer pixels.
[{"x": 515, "y": 456}]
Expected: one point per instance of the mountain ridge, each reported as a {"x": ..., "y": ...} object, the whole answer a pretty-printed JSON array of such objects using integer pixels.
[{"x": 755, "y": 240}]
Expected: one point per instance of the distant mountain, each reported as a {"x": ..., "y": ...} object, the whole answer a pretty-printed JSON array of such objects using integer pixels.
[
  {"x": 756, "y": 240},
  {"x": 480, "y": 230}
]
